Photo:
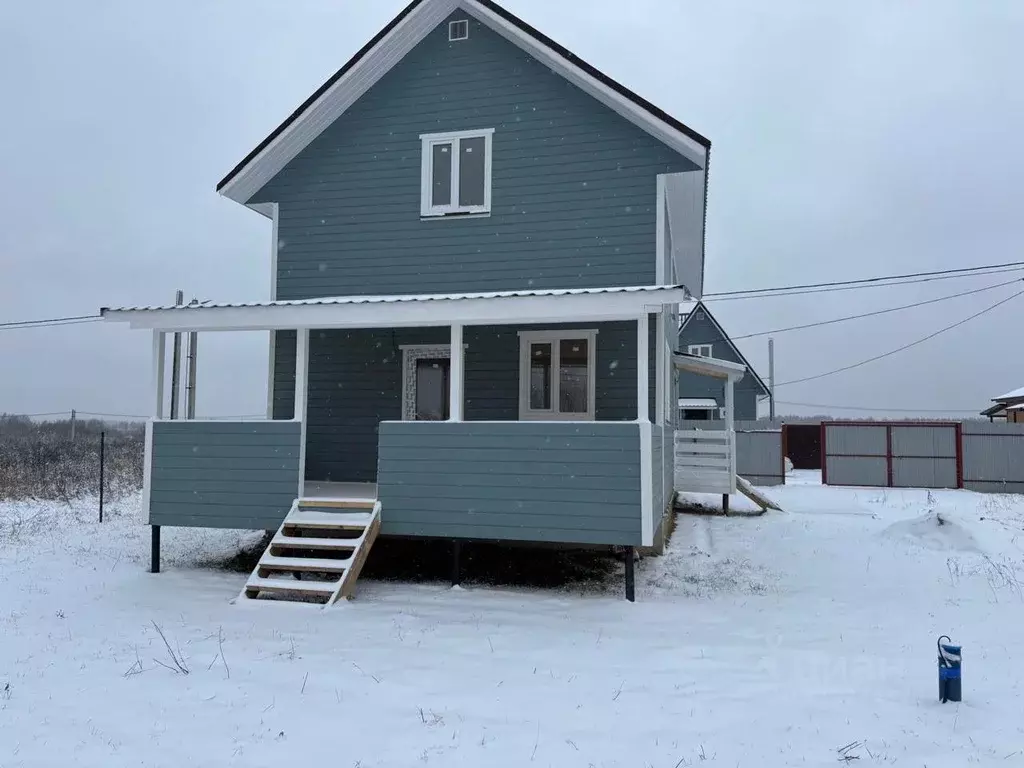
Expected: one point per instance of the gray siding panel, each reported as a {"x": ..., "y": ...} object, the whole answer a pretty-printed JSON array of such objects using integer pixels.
[
  {"x": 542, "y": 485},
  {"x": 574, "y": 184},
  {"x": 355, "y": 382},
  {"x": 224, "y": 474}
]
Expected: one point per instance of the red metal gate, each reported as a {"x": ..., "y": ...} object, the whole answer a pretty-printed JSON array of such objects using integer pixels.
[{"x": 893, "y": 454}]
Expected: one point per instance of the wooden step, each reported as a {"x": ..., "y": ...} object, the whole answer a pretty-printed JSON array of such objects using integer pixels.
[
  {"x": 356, "y": 521},
  {"x": 317, "y": 564},
  {"x": 269, "y": 574},
  {"x": 304, "y": 542},
  {"x": 366, "y": 504},
  {"x": 291, "y": 585}
]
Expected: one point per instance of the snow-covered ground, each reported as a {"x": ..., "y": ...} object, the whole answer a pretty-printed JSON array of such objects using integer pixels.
[{"x": 772, "y": 641}]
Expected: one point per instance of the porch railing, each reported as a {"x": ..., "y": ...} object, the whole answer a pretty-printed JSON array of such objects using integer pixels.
[{"x": 705, "y": 460}]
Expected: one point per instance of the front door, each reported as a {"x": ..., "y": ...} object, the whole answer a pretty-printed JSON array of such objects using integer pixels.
[{"x": 432, "y": 391}]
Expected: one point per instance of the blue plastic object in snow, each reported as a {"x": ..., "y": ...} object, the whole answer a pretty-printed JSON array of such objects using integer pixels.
[{"x": 949, "y": 670}]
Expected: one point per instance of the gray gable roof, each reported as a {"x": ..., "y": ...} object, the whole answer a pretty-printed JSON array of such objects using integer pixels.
[
  {"x": 700, "y": 306},
  {"x": 649, "y": 112}
]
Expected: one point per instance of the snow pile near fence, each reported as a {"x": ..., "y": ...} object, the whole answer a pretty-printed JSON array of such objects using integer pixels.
[
  {"x": 797, "y": 639},
  {"x": 941, "y": 530}
]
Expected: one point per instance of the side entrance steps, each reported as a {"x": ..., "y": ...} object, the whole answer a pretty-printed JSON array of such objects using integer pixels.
[{"x": 317, "y": 553}]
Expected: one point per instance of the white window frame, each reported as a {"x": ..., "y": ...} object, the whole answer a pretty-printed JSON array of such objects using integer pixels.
[
  {"x": 554, "y": 337},
  {"x": 452, "y": 26},
  {"x": 697, "y": 350},
  {"x": 428, "y": 141}
]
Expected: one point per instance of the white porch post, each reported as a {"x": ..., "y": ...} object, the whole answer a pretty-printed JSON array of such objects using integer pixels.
[
  {"x": 730, "y": 429},
  {"x": 456, "y": 375},
  {"x": 643, "y": 359},
  {"x": 301, "y": 397},
  {"x": 643, "y": 362},
  {"x": 159, "y": 355}
]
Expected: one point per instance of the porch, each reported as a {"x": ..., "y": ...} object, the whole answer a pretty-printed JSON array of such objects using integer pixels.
[{"x": 587, "y": 467}]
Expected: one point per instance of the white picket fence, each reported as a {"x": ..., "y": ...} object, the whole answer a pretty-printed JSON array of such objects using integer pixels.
[{"x": 705, "y": 460}]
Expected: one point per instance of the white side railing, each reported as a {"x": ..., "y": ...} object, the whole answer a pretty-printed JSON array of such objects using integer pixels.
[{"x": 705, "y": 460}]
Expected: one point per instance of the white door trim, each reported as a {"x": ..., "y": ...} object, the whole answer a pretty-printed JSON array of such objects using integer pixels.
[{"x": 411, "y": 355}]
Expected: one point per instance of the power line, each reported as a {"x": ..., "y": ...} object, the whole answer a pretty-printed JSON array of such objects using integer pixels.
[
  {"x": 904, "y": 347},
  {"x": 880, "y": 408},
  {"x": 909, "y": 278},
  {"x": 54, "y": 321},
  {"x": 869, "y": 314},
  {"x": 36, "y": 415}
]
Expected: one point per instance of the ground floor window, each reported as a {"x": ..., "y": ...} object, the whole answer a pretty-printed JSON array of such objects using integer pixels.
[{"x": 557, "y": 375}]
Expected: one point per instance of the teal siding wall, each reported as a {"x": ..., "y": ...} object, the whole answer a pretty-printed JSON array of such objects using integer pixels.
[
  {"x": 224, "y": 474},
  {"x": 703, "y": 331},
  {"x": 574, "y": 184},
  {"x": 355, "y": 382},
  {"x": 544, "y": 482}
]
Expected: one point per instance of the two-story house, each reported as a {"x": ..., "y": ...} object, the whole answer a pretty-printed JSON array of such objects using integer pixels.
[{"x": 480, "y": 246}]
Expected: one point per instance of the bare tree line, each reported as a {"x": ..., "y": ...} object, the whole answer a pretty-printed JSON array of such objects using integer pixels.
[{"x": 40, "y": 460}]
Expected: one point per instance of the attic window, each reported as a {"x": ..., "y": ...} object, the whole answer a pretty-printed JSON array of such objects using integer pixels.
[
  {"x": 458, "y": 30},
  {"x": 456, "y": 173}
]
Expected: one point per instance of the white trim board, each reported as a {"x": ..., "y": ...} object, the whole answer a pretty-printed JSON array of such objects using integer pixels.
[
  {"x": 364, "y": 73},
  {"x": 412, "y": 354}
]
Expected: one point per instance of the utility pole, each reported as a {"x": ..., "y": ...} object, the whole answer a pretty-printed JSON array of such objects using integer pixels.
[
  {"x": 190, "y": 387},
  {"x": 176, "y": 363},
  {"x": 771, "y": 379},
  {"x": 73, "y": 418}
]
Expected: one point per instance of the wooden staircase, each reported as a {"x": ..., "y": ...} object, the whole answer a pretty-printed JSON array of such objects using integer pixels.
[{"x": 317, "y": 553}]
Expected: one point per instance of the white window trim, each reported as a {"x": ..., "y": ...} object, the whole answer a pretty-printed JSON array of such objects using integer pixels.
[
  {"x": 526, "y": 338},
  {"x": 695, "y": 349},
  {"x": 428, "y": 140},
  {"x": 451, "y": 30}
]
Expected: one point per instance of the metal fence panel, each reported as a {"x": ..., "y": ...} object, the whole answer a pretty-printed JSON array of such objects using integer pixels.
[
  {"x": 924, "y": 441},
  {"x": 994, "y": 457},
  {"x": 923, "y": 472},
  {"x": 759, "y": 457},
  {"x": 855, "y": 440},
  {"x": 857, "y": 470}
]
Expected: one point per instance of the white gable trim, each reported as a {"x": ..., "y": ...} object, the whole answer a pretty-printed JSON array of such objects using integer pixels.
[
  {"x": 391, "y": 49},
  {"x": 338, "y": 98},
  {"x": 633, "y": 112}
]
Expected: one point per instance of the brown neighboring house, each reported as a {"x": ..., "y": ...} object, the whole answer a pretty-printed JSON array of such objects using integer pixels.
[{"x": 1008, "y": 407}]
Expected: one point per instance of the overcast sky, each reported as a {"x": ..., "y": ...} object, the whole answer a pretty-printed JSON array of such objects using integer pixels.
[{"x": 849, "y": 139}]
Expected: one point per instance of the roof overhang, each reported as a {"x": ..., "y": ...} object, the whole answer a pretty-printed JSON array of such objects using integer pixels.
[
  {"x": 408, "y": 311},
  {"x": 392, "y": 44},
  {"x": 698, "y": 403},
  {"x": 709, "y": 366}
]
